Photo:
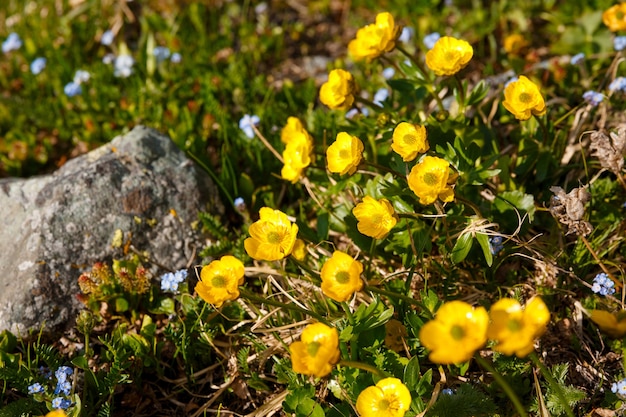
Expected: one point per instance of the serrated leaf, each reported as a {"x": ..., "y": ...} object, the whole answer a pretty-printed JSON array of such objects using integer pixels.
[{"x": 461, "y": 248}]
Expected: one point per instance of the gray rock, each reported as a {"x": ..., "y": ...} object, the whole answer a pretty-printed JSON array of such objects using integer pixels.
[{"x": 53, "y": 228}]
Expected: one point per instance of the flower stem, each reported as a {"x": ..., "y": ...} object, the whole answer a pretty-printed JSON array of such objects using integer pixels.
[
  {"x": 252, "y": 297},
  {"x": 365, "y": 367},
  {"x": 505, "y": 385},
  {"x": 555, "y": 385}
]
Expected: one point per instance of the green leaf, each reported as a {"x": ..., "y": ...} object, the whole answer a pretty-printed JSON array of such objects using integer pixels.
[
  {"x": 509, "y": 200},
  {"x": 322, "y": 226},
  {"x": 412, "y": 374},
  {"x": 461, "y": 248},
  {"x": 479, "y": 92},
  {"x": 483, "y": 241}
]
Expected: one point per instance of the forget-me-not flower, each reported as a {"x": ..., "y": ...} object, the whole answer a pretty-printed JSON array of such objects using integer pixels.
[
  {"x": 447, "y": 391},
  {"x": 407, "y": 34},
  {"x": 170, "y": 280},
  {"x": 108, "y": 59},
  {"x": 107, "y": 38},
  {"x": 61, "y": 403},
  {"x": 495, "y": 244},
  {"x": 81, "y": 76},
  {"x": 593, "y": 97},
  {"x": 176, "y": 58},
  {"x": 603, "y": 285},
  {"x": 619, "y": 43},
  {"x": 38, "y": 65},
  {"x": 389, "y": 72},
  {"x": 431, "y": 39},
  {"x": 72, "y": 89},
  {"x": 577, "y": 59},
  {"x": 161, "y": 53},
  {"x": 35, "y": 388},
  {"x": 63, "y": 388},
  {"x": 11, "y": 43},
  {"x": 123, "y": 66},
  {"x": 380, "y": 96},
  {"x": 618, "y": 84},
  {"x": 619, "y": 387},
  {"x": 246, "y": 123}
]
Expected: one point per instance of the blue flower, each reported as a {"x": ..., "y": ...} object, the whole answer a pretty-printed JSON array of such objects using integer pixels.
[
  {"x": 72, "y": 89},
  {"x": 246, "y": 124},
  {"x": 11, "y": 43},
  {"x": 406, "y": 34},
  {"x": 63, "y": 372},
  {"x": 495, "y": 244},
  {"x": 619, "y": 388},
  {"x": 239, "y": 203},
  {"x": 107, "y": 38},
  {"x": 447, "y": 391},
  {"x": 430, "y": 39},
  {"x": 618, "y": 84},
  {"x": 578, "y": 58},
  {"x": 593, "y": 97},
  {"x": 61, "y": 403},
  {"x": 63, "y": 387},
  {"x": 603, "y": 285},
  {"x": 161, "y": 53},
  {"x": 123, "y": 66},
  {"x": 170, "y": 280},
  {"x": 108, "y": 59},
  {"x": 388, "y": 72},
  {"x": 36, "y": 388},
  {"x": 176, "y": 58},
  {"x": 619, "y": 43},
  {"x": 380, "y": 96},
  {"x": 38, "y": 65},
  {"x": 350, "y": 114},
  {"x": 81, "y": 76}
]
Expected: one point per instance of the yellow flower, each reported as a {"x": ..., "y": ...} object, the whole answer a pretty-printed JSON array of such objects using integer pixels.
[
  {"x": 338, "y": 92},
  {"x": 395, "y": 335},
  {"x": 409, "y": 140},
  {"x": 293, "y": 127},
  {"x": 299, "y": 250},
  {"x": 341, "y": 276},
  {"x": 516, "y": 328},
  {"x": 56, "y": 413},
  {"x": 388, "y": 398},
  {"x": 514, "y": 43},
  {"x": 612, "y": 324},
  {"x": 271, "y": 237},
  {"x": 296, "y": 156},
  {"x": 375, "y": 217},
  {"x": 449, "y": 55},
  {"x": 457, "y": 331},
  {"x": 316, "y": 352},
  {"x": 429, "y": 180},
  {"x": 220, "y": 280},
  {"x": 374, "y": 40},
  {"x": 522, "y": 97},
  {"x": 615, "y": 17},
  {"x": 344, "y": 154}
]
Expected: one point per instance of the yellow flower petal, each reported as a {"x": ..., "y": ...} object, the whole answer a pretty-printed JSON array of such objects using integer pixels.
[
  {"x": 338, "y": 92},
  {"x": 375, "y": 217},
  {"x": 429, "y": 180},
  {"x": 373, "y": 40},
  {"x": 522, "y": 98},
  {"x": 341, "y": 276},
  {"x": 271, "y": 237},
  {"x": 317, "y": 351},
  {"x": 344, "y": 155},
  {"x": 409, "y": 140},
  {"x": 615, "y": 17},
  {"x": 612, "y": 324},
  {"x": 449, "y": 55},
  {"x": 220, "y": 280},
  {"x": 388, "y": 398}
]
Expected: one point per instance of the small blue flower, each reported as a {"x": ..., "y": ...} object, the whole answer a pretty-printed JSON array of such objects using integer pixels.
[
  {"x": 619, "y": 388},
  {"x": 239, "y": 204},
  {"x": 619, "y": 43},
  {"x": 176, "y": 58},
  {"x": 170, "y": 280},
  {"x": 407, "y": 34},
  {"x": 63, "y": 387},
  {"x": 593, "y": 97},
  {"x": 577, "y": 59},
  {"x": 603, "y": 285},
  {"x": 123, "y": 66},
  {"x": 618, "y": 84},
  {"x": 72, "y": 89},
  {"x": 11, "y": 43},
  {"x": 63, "y": 372},
  {"x": 380, "y": 96},
  {"x": 246, "y": 123},
  {"x": 61, "y": 403},
  {"x": 161, "y": 53},
  {"x": 447, "y": 391},
  {"x": 495, "y": 244},
  {"x": 107, "y": 38},
  {"x": 389, "y": 72},
  {"x": 38, "y": 65},
  {"x": 431, "y": 39},
  {"x": 36, "y": 388},
  {"x": 108, "y": 59},
  {"x": 81, "y": 76}
]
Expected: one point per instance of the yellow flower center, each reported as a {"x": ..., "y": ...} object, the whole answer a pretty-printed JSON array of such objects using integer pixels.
[
  {"x": 383, "y": 405},
  {"x": 312, "y": 348},
  {"x": 218, "y": 281},
  {"x": 342, "y": 277},
  {"x": 344, "y": 154},
  {"x": 619, "y": 15},
  {"x": 514, "y": 326},
  {"x": 457, "y": 332},
  {"x": 450, "y": 55},
  {"x": 430, "y": 178},
  {"x": 410, "y": 139},
  {"x": 273, "y": 237},
  {"x": 525, "y": 98}
]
